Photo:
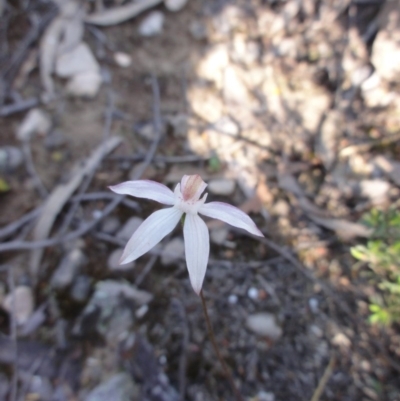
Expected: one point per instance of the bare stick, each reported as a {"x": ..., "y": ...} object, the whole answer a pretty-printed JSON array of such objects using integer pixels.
[
  {"x": 146, "y": 270},
  {"x": 16, "y": 225},
  {"x": 164, "y": 159},
  {"x": 19, "y": 106},
  {"x": 25, "y": 245},
  {"x": 90, "y": 174},
  {"x": 324, "y": 379},
  {"x": 216, "y": 349}
]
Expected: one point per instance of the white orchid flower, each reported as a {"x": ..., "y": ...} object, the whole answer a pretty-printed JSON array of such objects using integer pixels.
[{"x": 185, "y": 200}]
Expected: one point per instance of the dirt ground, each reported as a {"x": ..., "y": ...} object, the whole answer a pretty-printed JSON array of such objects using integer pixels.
[{"x": 284, "y": 109}]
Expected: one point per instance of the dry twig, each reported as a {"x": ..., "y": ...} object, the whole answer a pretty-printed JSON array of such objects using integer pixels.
[{"x": 324, "y": 380}]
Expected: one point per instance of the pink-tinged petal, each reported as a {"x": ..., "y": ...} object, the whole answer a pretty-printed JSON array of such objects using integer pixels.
[
  {"x": 192, "y": 186},
  {"x": 231, "y": 215},
  {"x": 145, "y": 189},
  {"x": 197, "y": 249},
  {"x": 150, "y": 233}
]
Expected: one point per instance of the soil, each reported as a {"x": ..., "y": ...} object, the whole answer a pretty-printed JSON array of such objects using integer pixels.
[{"x": 319, "y": 302}]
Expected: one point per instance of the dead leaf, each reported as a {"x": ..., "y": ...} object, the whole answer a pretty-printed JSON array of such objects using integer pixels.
[
  {"x": 63, "y": 31},
  {"x": 120, "y": 14},
  {"x": 61, "y": 194},
  {"x": 343, "y": 228},
  {"x": 346, "y": 230},
  {"x": 327, "y": 141}
]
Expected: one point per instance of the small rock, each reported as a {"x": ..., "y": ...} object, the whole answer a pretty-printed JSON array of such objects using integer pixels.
[
  {"x": 175, "y": 5},
  {"x": 326, "y": 146},
  {"x": 85, "y": 84},
  {"x": 114, "y": 258},
  {"x": 252, "y": 293},
  {"x": 179, "y": 123},
  {"x": 79, "y": 60},
  {"x": 219, "y": 235},
  {"x": 314, "y": 305},
  {"x": 10, "y": 158},
  {"x": 173, "y": 251},
  {"x": 152, "y": 25},
  {"x": 385, "y": 54},
  {"x": 122, "y": 59},
  {"x": 108, "y": 312},
  {"x": 376, "y": 190},
  {"x": 265, "y": 396},
  {"x": 110, "y": 289},
  {"x": 68, "y": 269},
  {"x": 227, "y": 126},
  {"x": 235, "y": 91},
  {"x": 125, "y": 233},
  {"x": 119, "y": 387},
  {"x": 264, "y": 324},
  {"x": 222, "y": 186},
  {"x": 233, "y": 299},
  {"x": 37, "y": 318},
  {"x": 145, "y": 130},
  {"x": 376, "y": 93},
  {"x": 97, "y": 214},
  {"x": 361, "y": 74},
  {"x": 316, "y": 330},
  {"x": 162, "y": 360},
  {"x": 35, "y": 122},
  {"x": 341, "y": 340},
  {"x": 281, "y": 208},
  {"x": 81, "y": 288},
  {"x": 212, "y": 66},
  {"x": 40, "y": 388},
  {"x": 110, "y": 224},
  {"x": 140, "y": 312},
  {"x": 21, "y": 302}
]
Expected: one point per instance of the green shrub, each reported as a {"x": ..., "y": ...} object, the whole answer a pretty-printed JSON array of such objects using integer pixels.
[{"x": 382, "y": 256}]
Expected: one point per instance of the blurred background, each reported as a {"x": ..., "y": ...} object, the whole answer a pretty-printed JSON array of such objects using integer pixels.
[{"x": 289, "y": 110}]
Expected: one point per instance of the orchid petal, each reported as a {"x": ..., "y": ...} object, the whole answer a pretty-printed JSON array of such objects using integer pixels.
[
  {"x": 192, "y": 186},
  {"x": 197, "y": 249},
  {"x": 145, "y": 189},
  {"x": 150, "y": 233},
  {"x": 231, "y": 215}
]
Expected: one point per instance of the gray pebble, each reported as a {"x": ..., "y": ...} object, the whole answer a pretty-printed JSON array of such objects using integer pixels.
[
  {"x": 10, "y": 158},
  {"x": 264, "y": 324},
  {"x": 81, "y": 288},
  {"x": 110, "y": 224},
  {"x": 222, "y": 186},
  {"x": 119, "y": 387},
  {"x": 173, "y": 251},
  {"x": 114, "y": 258},
  {"x": 67, "y": 270},
  {"x": 129, "y": 228}
]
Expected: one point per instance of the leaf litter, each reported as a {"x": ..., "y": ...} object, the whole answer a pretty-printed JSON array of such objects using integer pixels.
[{"x": 282, "y": 96}]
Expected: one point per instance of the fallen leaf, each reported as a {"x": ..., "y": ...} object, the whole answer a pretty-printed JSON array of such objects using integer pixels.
[
  {"x": 61, "y": 194},
  {"x": 345, "y": 229},
  {"x": 120, "y": 14}
]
